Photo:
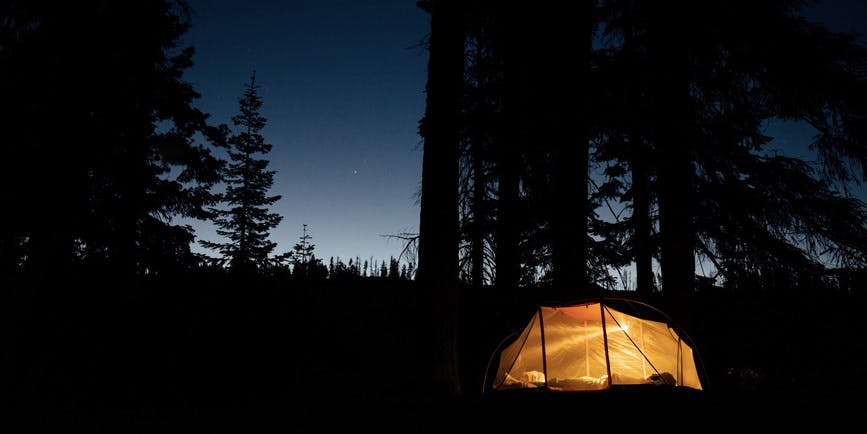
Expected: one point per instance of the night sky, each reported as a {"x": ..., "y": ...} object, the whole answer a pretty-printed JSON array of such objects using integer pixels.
[{"x": 342, "y": 84}]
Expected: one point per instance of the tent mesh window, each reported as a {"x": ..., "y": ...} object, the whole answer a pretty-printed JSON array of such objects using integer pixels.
[{"x": 593, "y": 346}]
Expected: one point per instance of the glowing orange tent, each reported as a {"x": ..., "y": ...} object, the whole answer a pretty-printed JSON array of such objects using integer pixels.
[{"x": 593, "y": 346}]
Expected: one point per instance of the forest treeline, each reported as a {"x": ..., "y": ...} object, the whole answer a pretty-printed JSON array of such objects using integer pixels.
[
  {"x": 576, "y": 140},
  {"x": 592, "y": 140},
  {"x": 105, "y": 299},
  {"x": 104, "y": 147},
  {"x": 566, "y": 144},
  {"x": 108, "y": 158}
]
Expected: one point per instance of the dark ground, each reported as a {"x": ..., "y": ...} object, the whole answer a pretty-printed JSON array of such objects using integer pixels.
[{"x": 211, "y": 355}]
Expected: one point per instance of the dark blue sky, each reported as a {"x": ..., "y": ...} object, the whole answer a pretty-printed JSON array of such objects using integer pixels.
[{"x": 342, "y": 83}]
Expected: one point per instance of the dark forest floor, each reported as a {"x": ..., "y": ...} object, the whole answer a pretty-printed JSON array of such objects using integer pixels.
[{"x": 211, "y": 355}]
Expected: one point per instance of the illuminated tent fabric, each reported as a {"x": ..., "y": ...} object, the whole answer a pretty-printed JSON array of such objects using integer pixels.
[{"x": 592, "y": 346}]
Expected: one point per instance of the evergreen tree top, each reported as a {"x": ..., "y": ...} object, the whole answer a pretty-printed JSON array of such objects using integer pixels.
[{"x": 246, "y": 221}]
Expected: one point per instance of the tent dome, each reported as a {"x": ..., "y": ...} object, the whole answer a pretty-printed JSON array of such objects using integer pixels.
[{"x": 594, "y": 345}]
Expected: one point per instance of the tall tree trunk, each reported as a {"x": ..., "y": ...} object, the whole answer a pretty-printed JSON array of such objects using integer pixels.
[
  {"x": 508, "y": 155},
  {"x": 438, "y": 220},
  {"x": 479, "y": 222},
  {"x": 479, "y": 193},
  {"x": 672, "y": 107},
  {"x": 570, "y": 32},
  {"x": 507, "y": 231},
  {"x": 640, "y": 220}
]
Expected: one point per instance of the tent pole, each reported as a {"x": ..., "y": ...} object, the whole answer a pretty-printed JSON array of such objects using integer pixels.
[
  {"x": 643, "y": 348},
  {"x": 586, "y": 350},
  {"x": 605, "y": 342},
  {"x": 544, "y": 358},
  {"x": 679, "y": 369}
]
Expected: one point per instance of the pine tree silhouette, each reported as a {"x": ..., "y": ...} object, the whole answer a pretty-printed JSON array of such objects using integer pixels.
[
  {"x": 305, "y": 262},
  {"x": 304, "y": 248},
  {"x": 247, "y": 223},
  {"x": 108, "y": 79}
]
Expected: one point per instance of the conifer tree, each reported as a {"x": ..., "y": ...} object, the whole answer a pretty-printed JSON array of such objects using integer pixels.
[
  {"x": 304, "y": 248},
  {"x": 393, "y": 269},
  {"x": 303, "y": 252},
  {"x": 121, "y": 159},
  {"x": 247, "y": 222}
]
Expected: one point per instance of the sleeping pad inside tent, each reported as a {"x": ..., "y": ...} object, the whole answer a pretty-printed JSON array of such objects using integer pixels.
[{"x": 592, "y": 346}]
